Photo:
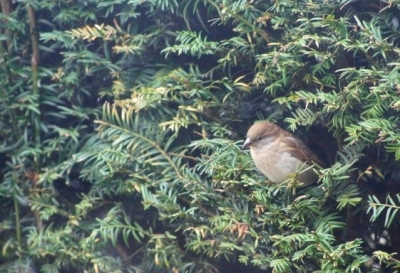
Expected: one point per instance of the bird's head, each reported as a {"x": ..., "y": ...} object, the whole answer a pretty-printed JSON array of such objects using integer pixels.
[{"x": 260, "y": 133}]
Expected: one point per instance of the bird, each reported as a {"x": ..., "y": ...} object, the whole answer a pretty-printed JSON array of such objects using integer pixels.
[{"x": 278, "y": 154}]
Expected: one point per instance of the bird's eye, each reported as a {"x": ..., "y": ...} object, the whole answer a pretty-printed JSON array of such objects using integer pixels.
[{"x": 260, "y": 138}]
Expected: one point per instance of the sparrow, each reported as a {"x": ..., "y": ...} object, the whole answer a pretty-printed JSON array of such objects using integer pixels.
[{"x": 278, "y": 153}]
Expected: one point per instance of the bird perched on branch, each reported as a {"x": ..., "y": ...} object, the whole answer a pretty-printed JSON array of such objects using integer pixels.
[{"x": 278, "y": 153}]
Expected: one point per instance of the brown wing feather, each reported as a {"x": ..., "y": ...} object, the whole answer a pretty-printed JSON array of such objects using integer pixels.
[{"x": 300, "y": 150}]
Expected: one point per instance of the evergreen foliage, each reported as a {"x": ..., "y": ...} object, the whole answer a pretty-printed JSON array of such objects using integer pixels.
[{"x": 121, "y": 125}]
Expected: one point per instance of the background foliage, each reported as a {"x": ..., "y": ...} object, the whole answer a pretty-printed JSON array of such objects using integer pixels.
[{"x": 122, "y": 121}]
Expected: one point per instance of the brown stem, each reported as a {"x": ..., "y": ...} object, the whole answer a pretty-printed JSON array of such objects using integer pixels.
[
  {"x": 35, "y": 71},
  {"x": 35, "y": 49},
  {"x": 35, "y": 89}
]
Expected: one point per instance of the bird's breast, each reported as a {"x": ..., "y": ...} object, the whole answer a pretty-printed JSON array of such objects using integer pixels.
[{"x": 274, "y": 162}]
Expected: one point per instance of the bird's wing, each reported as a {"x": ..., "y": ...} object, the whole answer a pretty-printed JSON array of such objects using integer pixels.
[{"x": 301, "y": 151}]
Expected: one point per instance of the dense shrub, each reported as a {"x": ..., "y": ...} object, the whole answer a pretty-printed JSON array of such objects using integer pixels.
[{"x": 122, "y": 121}]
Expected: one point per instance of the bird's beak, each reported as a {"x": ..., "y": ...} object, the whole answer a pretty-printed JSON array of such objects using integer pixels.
[{"x": 247, "y": 143}]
